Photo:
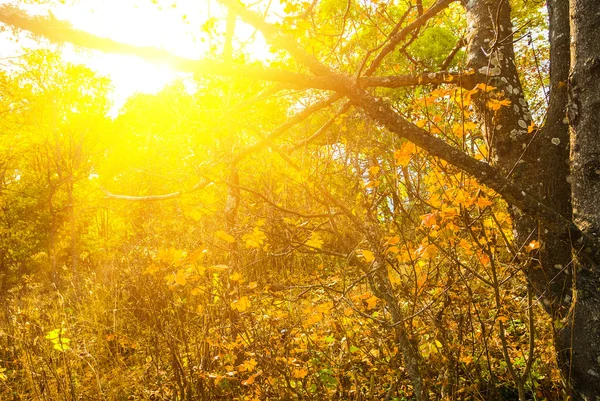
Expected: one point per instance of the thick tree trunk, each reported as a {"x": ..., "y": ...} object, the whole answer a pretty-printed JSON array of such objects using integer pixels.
[
  {"x": 539, "y": 163},
  {"x": 536, "y": 161},
  {"x": 581, "y": 334}
]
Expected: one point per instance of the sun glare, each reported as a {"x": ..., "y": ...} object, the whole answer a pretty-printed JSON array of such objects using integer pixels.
[
  {"x": 139, "y": 23},
  {"x": 176, "y": 28}
]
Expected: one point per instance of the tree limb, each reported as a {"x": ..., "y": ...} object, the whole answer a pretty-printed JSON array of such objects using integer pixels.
[
  {"x": 151, "y": 198},
  {"x": 384, "y": 114}
]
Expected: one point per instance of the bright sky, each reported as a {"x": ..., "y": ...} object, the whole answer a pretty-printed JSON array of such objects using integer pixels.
[{"x": 176, "y": 27}]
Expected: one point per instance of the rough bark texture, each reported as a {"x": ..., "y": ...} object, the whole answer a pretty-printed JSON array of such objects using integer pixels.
[
  {"x": 536, "y": 161},
  {"x": 553, "y": 144},
  {"x": 539, "y": 162},
  {"x": 582, "y": 332}
]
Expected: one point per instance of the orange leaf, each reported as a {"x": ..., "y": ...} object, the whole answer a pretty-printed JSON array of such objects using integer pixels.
[
  {"x": 250, "y": 380},
  {"x": 404, "y": 154},
  {"x": 393, "y": 240},
  {"x": 483, "y": 202},
  {"x": 299, "y": 373},
  {"x": 532, "y": 245}
]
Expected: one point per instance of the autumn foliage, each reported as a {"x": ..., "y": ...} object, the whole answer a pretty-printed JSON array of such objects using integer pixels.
[{"x": 195, "y": 247}]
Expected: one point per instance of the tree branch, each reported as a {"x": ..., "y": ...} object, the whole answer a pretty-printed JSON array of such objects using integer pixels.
[
  {"x": 151, "y": 198},
  {"x": 59, "y": 32},
  {"x": 464, "y": 79},
  {"x": 281, "y": 129},
  {"x": 395, "y": 39},
  {"x": 384, "y": 114}
]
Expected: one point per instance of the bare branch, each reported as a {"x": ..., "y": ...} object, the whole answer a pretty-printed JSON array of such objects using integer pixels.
[
  {"x": 459, "y": 45},
  {"x": 399, "y": 37},
  {"x": 322, "y": 129},
  {"x": 151, "y": 198},
  {"x": 280, "y": 130},
  {"x": 282, "y": 209},
  {"x": 464, "y": 79}
]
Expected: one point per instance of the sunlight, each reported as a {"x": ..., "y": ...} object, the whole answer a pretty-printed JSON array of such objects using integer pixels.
[
  {"x": 137, "y": 23},
  {"x": 128, "y": 74},
  {"x": 186, "y": 29}
]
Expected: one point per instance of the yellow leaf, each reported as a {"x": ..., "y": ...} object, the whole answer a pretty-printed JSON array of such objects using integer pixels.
[
  {"x": 313, "y": 319},
  {"x": 374, "y": 352},
  {"x": 254, "y": 239},
  {"x": 241, "y": 304},
  {"x": 180, "y": 278},
  {"x": 467, "y": 359},
  {"x": 151, "y": 269},
  {"x": 61, "y": 347},
  {"x": 470, "y": 126},
  {"x": 170, "y": 256},
  {"x": 431, "y": 250},
  {"x": 248, "y": 365},
  {"x": 225, "y": 237},
  {"x": 374, "y": 170},
  {"x": 235, "y": 277},
  {"x": 196, "y": 255},
  {"x": 252, "y": 285},
  {"x": 315, "y": 240},
  {"x": 483, "y": 152},
  {"x": 218, "y": 268},
  {"x": 367, "y": 255}
]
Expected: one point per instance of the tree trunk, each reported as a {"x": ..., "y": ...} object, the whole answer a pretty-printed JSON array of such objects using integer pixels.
[
  {"x": 539, "y": 163},
  {"x": 536, "y": 161},
  {"x": 581, "y": 334}
]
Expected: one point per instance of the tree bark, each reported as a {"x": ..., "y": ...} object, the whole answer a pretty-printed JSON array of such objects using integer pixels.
[
  {"x": 580, "y": 338},
  {"x": 535, "y": 161}
]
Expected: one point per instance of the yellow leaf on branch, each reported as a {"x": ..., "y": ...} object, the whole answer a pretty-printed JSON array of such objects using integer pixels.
[
  {"x": 368, "y": 256},
  {"x": 225, "y": 237}
]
